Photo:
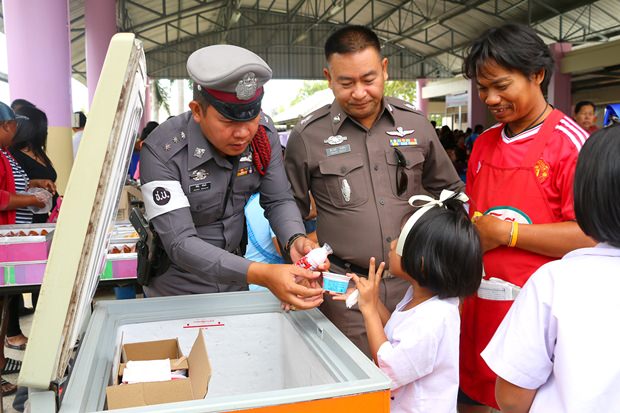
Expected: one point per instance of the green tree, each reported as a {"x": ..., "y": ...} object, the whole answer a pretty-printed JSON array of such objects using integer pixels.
[
  {"x": 309, "y": 88},
  {"x": 162, "y": 96},
  {"x": 402, "y": 89}
]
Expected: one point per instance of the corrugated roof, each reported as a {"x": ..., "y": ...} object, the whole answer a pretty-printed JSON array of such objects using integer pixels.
[{"x": 425, "y": 38}]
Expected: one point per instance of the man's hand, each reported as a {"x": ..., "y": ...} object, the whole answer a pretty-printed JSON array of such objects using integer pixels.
[
  {"x": 494, "y": 232},
  {"x": 303, "y": 245},
  {"x": 280, "y": 280}
]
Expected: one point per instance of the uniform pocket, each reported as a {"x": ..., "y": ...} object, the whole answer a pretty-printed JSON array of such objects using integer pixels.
[
  {"x": 345, "y": 180},
  {"x": 205, "y": 206},
  {"x": 413, "y": 169}
]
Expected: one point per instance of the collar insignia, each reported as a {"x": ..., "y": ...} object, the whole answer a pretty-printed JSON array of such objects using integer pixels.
[{"x": 199, "y": 152}]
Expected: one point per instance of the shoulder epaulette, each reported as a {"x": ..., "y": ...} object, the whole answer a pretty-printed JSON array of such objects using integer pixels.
[
  {"x": 401, "y": 104},
  {"x": 167, "y": 140},
  {"x": 312, "y": 117},
  {"x": 267, "y": 122}
]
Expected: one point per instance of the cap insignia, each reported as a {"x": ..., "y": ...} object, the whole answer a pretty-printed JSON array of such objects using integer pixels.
[
  {"x": 246, "y": 88},
  {"x": 199, "y": 152}
]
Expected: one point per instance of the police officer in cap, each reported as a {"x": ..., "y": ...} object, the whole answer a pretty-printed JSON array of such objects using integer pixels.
[{"x": 199, "y": 169}]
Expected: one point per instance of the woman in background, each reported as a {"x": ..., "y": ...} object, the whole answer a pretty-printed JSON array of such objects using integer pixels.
[{"x": 28, "y": 149}]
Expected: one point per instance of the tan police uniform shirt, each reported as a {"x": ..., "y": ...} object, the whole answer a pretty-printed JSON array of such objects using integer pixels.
[
  {"x": 202, "y": 237},
  {"x": 351, "y": 172}
]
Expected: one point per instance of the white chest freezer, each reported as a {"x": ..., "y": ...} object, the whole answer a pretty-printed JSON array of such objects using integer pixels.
[{"x": 263, "y": 360}]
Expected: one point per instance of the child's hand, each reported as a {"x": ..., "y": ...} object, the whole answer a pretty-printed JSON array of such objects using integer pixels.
[
  {"x": 369, "y": 287},
  {"x": 342, "y": 296}
]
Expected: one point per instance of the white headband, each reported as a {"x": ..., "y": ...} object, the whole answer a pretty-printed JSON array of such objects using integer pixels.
[{"x": 430, "y": 203}]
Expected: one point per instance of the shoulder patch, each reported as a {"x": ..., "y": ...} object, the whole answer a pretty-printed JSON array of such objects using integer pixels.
[
  {"x": 401, "y": 104},
  {"x": 312, "y": 117}
]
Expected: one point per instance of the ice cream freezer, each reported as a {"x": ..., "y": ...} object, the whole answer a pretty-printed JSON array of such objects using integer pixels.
[{"x": 262, "y": 359}]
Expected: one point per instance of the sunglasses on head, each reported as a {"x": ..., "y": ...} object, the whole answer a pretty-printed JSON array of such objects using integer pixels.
[{"x": 401, "y": 176}]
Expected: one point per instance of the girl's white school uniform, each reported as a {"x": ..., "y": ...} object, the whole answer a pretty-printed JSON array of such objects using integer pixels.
[
  {"x": 421, "y": 355},
  {"x": 561, "y": 335}
]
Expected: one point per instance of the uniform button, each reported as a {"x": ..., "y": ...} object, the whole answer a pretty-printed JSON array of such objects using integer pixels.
[
  {"x": 389, "y": 239},
  {"x": 376, "y": 167},
  {"x": 382, "y": 202}
]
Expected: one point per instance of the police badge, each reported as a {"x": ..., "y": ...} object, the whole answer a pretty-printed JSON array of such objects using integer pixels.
[
  {"x": 346, "y": 190},
  {"x": 246, "y": 88}
]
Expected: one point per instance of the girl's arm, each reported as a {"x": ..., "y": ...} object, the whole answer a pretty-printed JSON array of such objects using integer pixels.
[
  {"x": 374, "y": 312},
  {"x": 511, "y": 398},
  {"x": 374, "y": 330}
]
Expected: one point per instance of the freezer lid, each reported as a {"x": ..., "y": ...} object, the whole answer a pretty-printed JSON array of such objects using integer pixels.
[{"x": 86, "y": 217}]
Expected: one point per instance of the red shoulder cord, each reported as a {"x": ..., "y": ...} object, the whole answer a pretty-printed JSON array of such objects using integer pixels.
[{"x": 261, "y": 150}]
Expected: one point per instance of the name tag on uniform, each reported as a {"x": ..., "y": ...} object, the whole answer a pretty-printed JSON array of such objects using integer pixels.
[
  {"x": 338, "y": 150},
  {"x": 205, "y": 186},
  {"x": 403, "y": 142}
]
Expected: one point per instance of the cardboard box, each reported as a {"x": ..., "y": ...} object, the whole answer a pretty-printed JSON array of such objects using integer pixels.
[{"x": 146, "y": 394}]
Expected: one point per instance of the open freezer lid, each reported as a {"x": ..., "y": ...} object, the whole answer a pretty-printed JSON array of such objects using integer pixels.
[{"x": 86, "y": 217}]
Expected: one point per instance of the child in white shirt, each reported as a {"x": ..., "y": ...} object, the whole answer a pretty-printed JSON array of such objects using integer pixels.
[
  {"x": 438, "y": 252},
  {"x": 557, "y": 348}
]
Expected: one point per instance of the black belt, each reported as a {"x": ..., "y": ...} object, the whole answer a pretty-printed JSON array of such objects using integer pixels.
[{"x": 348, "y": 266}]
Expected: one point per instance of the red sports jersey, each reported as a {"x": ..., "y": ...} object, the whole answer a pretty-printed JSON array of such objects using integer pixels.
[{"x": 556, "y": 169}]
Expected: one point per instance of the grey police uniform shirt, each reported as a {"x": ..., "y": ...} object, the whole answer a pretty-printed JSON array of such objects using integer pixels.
[
  {"x": 351, "y": 172},
  {"x": 198, "y": 238}
]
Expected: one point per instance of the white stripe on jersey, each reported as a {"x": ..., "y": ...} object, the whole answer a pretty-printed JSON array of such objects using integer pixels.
[
  {"x": 573, "y": 138},
  {"x": 581, "y": 134}
]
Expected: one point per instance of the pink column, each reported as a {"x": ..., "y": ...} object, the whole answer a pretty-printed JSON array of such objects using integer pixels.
[
  {"x": 100, "y": 24},
  {"x": 421, "y": 104},
  {"x": 476, "y": 110},
  {"x": 39, "y": 63},
  {"x": 559, "y": 92},
  {"x": 39, "y": 55}
]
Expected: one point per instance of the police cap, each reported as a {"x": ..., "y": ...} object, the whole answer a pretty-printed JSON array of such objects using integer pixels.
[{"x": 230, "y": 78}]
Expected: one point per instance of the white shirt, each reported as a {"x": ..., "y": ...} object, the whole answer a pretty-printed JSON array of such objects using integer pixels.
[
  {"x": 562, "y": 337},
  {"x": 421, "y": 355}
]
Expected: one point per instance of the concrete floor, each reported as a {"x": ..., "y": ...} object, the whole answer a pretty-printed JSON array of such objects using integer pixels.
[{"x": 25, "y": 323}]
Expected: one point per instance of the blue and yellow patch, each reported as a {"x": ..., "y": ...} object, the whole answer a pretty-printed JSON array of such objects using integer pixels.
[{"x": 403, "y": 142}]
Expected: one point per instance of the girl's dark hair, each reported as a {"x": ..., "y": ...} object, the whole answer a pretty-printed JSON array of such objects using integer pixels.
[
  {"x": 512, "y": 46},
  {"x": 32, "y": 133},
  {"x": 597, "y": 186},
  {"x": 351, "y": 39},
  {"x": 442, "y": 251}
]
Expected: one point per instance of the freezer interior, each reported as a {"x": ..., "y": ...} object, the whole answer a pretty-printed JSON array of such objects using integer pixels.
[{"x": 260, "y": 356}]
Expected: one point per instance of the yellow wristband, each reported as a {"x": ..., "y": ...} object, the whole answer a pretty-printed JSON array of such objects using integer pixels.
[{"x": 514, "y": 234}]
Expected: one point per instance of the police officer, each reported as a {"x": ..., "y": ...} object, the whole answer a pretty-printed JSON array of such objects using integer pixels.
[
  {"x": 362, "y": 157},
  {"x": 199, "y": 169}
]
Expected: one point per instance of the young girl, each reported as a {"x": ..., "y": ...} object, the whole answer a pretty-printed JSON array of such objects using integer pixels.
[
  {"x": 557, "y": 348},
  {"x": 438, "y": 252}
]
